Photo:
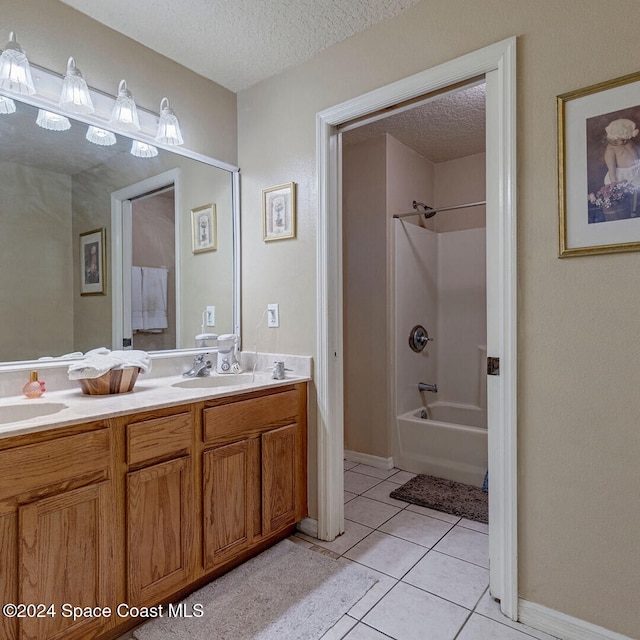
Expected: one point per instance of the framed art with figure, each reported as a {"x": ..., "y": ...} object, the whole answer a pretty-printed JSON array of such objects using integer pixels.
[
  {"x": 279, "y": 212},
  {"x": 599, "y": 168},
  {"x": 203, "y": 229},
  {"x": 92, "y": 272}
]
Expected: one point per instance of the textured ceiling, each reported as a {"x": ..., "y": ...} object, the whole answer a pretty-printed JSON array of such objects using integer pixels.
[
  {"x": 445, "y": 128},
  {"x": 237, "y": 43}
]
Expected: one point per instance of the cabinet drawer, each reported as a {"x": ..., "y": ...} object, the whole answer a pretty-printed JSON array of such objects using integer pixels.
[
  {"x": 158, "y": 438},
  {"x": 46, "y": 463},
  {"x": 248, "y": 417}
]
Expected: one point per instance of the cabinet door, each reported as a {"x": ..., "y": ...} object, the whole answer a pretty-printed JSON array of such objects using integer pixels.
[
  {"x": 281, "y": 477},
  {"x": 160, "y": 530},
  {"x": 65, "y": 557},
  {"x": 231, "y": 496}
]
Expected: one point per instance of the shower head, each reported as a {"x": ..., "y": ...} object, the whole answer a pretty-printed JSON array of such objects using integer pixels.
[{"x": 425, "y": 209}]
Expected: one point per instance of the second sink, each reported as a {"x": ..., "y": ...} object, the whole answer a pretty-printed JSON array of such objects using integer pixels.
[
  {"x": 17, "y": 412},
  {"x": 211, "y": 382}
]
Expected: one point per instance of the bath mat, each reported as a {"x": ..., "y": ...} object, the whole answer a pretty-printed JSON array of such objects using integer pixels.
[
  {"x": 286, "y": 593},
  {"x": 451, "y": 497}
]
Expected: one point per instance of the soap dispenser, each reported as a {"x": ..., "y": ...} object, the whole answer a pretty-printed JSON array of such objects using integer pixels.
[{"x": 33, "y": 388}]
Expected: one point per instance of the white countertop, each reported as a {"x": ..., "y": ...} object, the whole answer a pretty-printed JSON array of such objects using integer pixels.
[{"x": 71, "y": 406}]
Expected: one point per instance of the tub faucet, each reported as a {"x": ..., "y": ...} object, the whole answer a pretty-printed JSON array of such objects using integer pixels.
[
  {"x": 425, "y": 386},
  {"x": 201, "y": 367}
]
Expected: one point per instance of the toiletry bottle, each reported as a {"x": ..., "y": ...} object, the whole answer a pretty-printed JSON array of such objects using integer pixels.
[{"x": 32, "y": 389}]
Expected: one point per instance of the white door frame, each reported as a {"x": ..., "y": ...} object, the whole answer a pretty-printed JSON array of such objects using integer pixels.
[
  {"x": 121, "y": 251},
  {"x": 497, "y": 63}
]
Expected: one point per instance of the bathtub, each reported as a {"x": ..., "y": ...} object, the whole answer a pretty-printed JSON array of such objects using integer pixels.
[{"x": 451, "y": 442}]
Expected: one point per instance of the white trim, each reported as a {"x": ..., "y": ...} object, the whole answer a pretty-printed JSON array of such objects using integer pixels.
[
  {"x": 563, "y": 626},
  {"x": 366, "y": 458},
  {"x": 497, "y": 61},
  {"x": 121, "y": 251}
]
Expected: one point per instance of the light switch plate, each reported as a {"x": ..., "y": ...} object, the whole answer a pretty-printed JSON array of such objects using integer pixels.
[{"x": 273, "y": 315}]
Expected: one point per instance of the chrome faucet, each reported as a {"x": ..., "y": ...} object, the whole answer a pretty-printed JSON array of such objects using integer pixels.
[
  {"x": 425, "y": 386},
  {"x": 201, "y": 366}
]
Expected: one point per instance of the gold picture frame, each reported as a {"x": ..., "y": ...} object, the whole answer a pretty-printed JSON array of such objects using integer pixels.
[
  {"x": 92, "y": 263},
  {"x": 279, "y": 212},
  {"x": 204, "y": 232},
  {"x": 597, "y": 141}
]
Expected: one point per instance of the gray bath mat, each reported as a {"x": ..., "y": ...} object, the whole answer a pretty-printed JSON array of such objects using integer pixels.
[
  {"x": 285, "y": 593},
  {"x": 451, "y": 497}
]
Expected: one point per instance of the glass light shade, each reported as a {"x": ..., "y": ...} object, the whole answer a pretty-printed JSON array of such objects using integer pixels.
[
  {"x": 143, "y": 150},
  {"x": 168, "y": 126},
  {"x": 52, "y": 121},
  {"x": 7, "y": 105},
  {"x": 75, "y": 96},
  {"x": 100, "y": 137},
  {"x": 125, "y": 114},
  {"x": 15, "y": 72}
]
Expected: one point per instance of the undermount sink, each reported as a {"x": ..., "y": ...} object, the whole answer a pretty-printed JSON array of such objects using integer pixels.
[
  {"x": 17, "y": 412},
  {"x": 212, "y": 382}
]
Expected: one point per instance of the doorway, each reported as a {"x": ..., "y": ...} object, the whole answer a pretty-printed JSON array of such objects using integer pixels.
[{"x": 497, "y": 64}]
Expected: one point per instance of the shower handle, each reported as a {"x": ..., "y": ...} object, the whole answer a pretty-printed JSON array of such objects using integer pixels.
[{"x": 418, "y": 338}]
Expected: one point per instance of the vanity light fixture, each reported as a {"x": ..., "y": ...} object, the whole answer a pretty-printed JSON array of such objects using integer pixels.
[
  {"x": 143, "y": 150},
  {"x": 168, "y": 127},
  {"x": 75, "y": 96},
  {"x": 124, "y": 114},
  {"x": 52, "y": 121},
  {"x": 15, "y": 72},
  {"x": 7, "y": 105},
  {"x": 100, "y": 136}
]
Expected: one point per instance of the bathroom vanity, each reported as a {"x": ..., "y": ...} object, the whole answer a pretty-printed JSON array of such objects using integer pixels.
[{"x": 138, "y": 507}]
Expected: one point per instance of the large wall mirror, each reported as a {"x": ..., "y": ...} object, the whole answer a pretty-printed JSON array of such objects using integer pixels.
[{"x": 99, "y": 247}]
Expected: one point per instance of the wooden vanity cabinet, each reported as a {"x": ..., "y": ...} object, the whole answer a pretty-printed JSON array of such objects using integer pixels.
[
  {"x": 56, "y": 532},
  {"x": 143, "y": 508},
  {"x": 159, "y": 505},
  {"x": 254, "y": 469}
]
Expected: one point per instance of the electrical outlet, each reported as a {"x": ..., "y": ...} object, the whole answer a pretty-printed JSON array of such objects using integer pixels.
[
  {"x": 273, "y": 315},
  {"x": 210, "y": 318}
]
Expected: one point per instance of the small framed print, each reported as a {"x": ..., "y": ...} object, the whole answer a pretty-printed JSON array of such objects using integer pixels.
[
  {"x": 203, "y": 229},
  {"x": 279, "y": 212},
  {"x": 599, "y": 168},
  {"x": 92, "y": 263}
]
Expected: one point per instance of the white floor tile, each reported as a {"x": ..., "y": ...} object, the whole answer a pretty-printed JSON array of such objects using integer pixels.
[
  {"x": 358, "y": 483},
  {"x": 456, "y": 580},
  {"x": 480, "y": 628},
  {"x": 440, "y": 515},
  {"x": 417, "y": 528},
  {"x": 381, "y": 492},
  {"x": 476, "y": 526},
  {"x": 340, "y": 629},
  {"x": 407, "y": 613},
  {"x": 467, "y": 545},
  {"x": 368, "y": 470},
  {"x": 349, "y": 464},
  {"x": 401, "y": 477},
  {"x": 386, "y": 554},
  {"x": 363, "y": 632},
  {"x": 374, "y": 595},
  {"x": 353, "y": 533},
  {"x": 371, "y": 513},
  {"x": 349, "y": 496}
]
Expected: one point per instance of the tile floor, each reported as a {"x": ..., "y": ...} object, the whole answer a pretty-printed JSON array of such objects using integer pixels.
[{"x": 432, "y": 568}]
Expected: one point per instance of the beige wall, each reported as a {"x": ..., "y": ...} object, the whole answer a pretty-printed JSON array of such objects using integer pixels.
[{"x": 578, "y": 436}]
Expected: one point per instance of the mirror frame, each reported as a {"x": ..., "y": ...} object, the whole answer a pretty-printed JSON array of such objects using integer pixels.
[{"x": 48, "y": 85}]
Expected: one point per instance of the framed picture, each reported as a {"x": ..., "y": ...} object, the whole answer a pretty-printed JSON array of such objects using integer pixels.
[
  {"x": 599, "y": 168},
  {"x": 279, "y": 212},
  {"x": 92, "y": 261},
  {"x": 204, "y": 235}
]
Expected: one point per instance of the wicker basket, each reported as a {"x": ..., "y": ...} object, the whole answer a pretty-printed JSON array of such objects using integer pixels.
[{"x": 114, "y": 381}]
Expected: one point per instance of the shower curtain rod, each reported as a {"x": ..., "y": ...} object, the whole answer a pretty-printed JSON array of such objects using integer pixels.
[{"x": 429, "y": 212}]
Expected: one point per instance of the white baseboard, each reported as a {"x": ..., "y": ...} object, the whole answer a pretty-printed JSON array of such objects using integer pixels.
[
  {"x": 365, "y": 458},
  {"x": 308, "y": 526},
  {"x": 561, "y": 625}
]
